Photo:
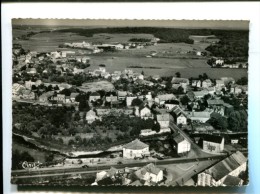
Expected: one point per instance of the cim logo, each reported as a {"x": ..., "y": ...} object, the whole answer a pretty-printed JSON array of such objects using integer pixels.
[{"x": 26, "y": 164}]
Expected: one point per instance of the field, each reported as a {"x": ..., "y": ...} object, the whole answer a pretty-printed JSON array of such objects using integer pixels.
[
  {"x": 49, "y": 41},
  {"x": 168, "y": 67},
  {"x": 94, "y": 86},
  {"x": 170, "y": 57}
]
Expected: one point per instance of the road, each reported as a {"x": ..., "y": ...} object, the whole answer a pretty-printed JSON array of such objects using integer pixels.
[{"x": 55, "y": 171}]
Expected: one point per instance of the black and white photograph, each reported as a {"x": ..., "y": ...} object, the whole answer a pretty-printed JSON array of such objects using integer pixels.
[{"x": 130, "y": 102}]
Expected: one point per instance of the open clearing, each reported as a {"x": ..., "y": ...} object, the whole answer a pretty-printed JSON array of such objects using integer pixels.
[{"x": 95, "y": 86}]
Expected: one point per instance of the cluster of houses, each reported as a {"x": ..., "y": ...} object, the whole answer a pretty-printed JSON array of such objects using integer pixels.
[
  {"x": 146, "y": 176},
  {"x": 219, "y": 62}
]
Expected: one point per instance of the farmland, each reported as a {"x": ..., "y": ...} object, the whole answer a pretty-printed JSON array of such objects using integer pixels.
[
  {"x": 94, "y": 86},
  {"x": 169, "y": 59}
]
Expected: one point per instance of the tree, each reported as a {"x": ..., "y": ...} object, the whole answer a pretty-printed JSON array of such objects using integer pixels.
[
  {"x": 242, "y": 81},
  {"x": 156, "y": 127},
  {"x": 218, "y": 122},
  {"x": 76, "y": 116},
  {"x": 205, "y": 76},
  {"x": 49, "y": 157},
  {"x": 18, "y": 158},
  {"x": 178, "y": 74},
  {"x": 66, "y": 91},
  {"x": 185, "y": 100},
  {"x": 137, "y": 102}
]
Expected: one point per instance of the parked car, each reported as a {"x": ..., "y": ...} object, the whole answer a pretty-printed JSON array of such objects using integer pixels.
[{"x": 85, "y": 166}]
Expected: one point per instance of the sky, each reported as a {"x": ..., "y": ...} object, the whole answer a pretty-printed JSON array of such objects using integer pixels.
[{"x": 212, "y": 24}]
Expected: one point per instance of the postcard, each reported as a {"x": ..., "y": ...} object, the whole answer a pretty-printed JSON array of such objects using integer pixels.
[{"x": 129, "y": 102}]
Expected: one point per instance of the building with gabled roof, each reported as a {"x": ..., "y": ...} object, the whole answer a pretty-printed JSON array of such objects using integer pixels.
[
  {"x": 179, "y": 116},
  {"x": 160, "y": 99},
  {"x": 94, "y": 96},
  {"x": 213, "y": 143},
  {"x": 135, "y": 149},
  {"x": 217, "y": 174},
  {"x": 181, "y": 144},
  {"x": 164, "y": 120},
  {"x": 91, "y": 116},
  {"x": 149, "y": 173},
  {"x": 202, "y": 116}
]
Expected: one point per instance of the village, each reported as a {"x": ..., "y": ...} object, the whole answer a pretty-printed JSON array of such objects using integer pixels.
[{"x": 174, "y": 117}]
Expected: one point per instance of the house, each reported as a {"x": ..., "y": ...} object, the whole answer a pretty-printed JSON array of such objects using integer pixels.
[
  {"x": 170, "y": 104},
  {"x": 220, "y": 84},
  {"x": 217, "y": 174},
  {"x": 16, "y": 89},
  {"x": 91, "y": 116},
  {"x": 94, "y": 96},
  {"x": 215, "y": 102},
  {"x": 28, "y": 95},
  {"x": 161, "y": 99},
  {"x": 135, "y": 149},
  {"x": 164, "y": 120},
  {"x": 200, "y": 94},
  {"x": 147, "y": 132},
  {"x": 181, "y": 144},
  {"x": 29, "y": 84},
  {"x": 207, "y": 83},
  {"x": 121, "y": 95},
  {"x": 31, "y": 71},
  {"x": 73, "y": 96},
  {"x": 228, "y": 80},
  {"x": 232, "y": 181},
  {"x": 156, "y": 77},
  {"x": 177, "y": 82},
  {"x": 213, "y": 143},
  {"x": 149, "y": 173},
  {"x": 129, "y": 100},
  {"x": 61, "y": 98},
  {"x": 196, "y": 83},
  {"x": 179, "y": 116},
  {"x": 44, "y": 98},
  {"x": 200, "y": 116},
  {"x": 143, "y": 111},
  {"x": 111, "y": 97},
  {"x": 211, "y": 90}
]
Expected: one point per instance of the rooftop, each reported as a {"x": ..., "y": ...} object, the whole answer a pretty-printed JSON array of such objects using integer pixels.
[
  {"x": 136, "y": 145},
  {"x": 213, "y": 138},
  {"x": 227, "y": 165}
]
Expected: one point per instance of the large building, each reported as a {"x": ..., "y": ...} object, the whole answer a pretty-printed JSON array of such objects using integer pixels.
[
  {"x": 135, "y": 149},
  {"x": 181, "y": 144},
  {"x": 213, "y": 143},
  {"x": 220, "y": 173}
]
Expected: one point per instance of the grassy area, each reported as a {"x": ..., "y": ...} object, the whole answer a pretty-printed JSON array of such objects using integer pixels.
[{"x": 95, "y": 86}]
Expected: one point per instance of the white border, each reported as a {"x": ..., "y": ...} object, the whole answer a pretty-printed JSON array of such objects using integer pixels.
[{"x": 213, "y": 10}]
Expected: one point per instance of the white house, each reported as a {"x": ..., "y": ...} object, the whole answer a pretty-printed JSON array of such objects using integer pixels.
[
  {"x": 179, "y": 116},
  {"x": 144, "y": 112},
  {"x": 220, "y": 84},
  {"x": 149, "y": 173},
  {"x": 207, "y": 83},
  {"x": 129, "y": 100},
  {"x": 200, "y": 116},
  {"x": 181, "y": 144},
  {"x": 94, "y": 96},
  {"x": 160, "y": 99},
  {"x": 91, "y": 116},
  {"x": 164, "y": 120},
  {"x": 217, "y": 174},
  {"x": 212, "y": 143},
  {"x": 135, "y": 149}
]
